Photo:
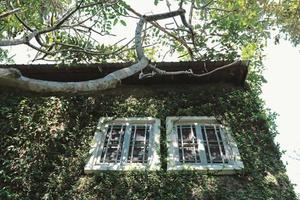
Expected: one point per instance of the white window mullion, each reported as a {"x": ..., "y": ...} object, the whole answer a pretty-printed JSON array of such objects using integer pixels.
[
  {"x": 145, "y": 141},
  {"x": 133, "y": 143},
  {"x": 182, "y": 146},
  {"x": 119, "y": 144},
  {"x": 175, "y": 144},
  {"x": 207, "y": 144},
  {"x": 108, "y": 141},
  {"x": 201, "y": 147},
  {"x": 126, "y": 143},
  {"x": 218, "y": 139},
  {"x": 228, "y": 150},
  {"x": 193, "y": 142}
]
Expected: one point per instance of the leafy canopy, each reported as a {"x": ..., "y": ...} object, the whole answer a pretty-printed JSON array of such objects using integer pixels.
[{"x": 92, "y": 31}]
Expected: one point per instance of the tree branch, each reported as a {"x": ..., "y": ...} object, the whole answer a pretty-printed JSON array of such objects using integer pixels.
[
  {"x": 178, "y": 39},
  {"x": 13, "y": 77},
  {"x": 160, "y": 72},
  {"x": 10, "y": 12},
  {"x": 60, "y": 22}
]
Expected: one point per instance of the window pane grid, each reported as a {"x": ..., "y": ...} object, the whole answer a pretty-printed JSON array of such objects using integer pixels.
[
  {"x": 188, "y": 145},
  {"x": 139, "y": 144},
  {"x": 112, "y": 148},
  {"x": 206, "y": 144},
  {"x": 146, "y": 144},
  {"x": 220, "y": 143},
  {"x": 214, "y": 146}
]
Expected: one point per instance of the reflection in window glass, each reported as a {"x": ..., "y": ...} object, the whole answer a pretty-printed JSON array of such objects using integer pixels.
[
  {"x": 187, "y": 143},
  {"x": 213, "y": 144},
  {"x": 139, "y": 144},
  {"x": 113, "y": 144}
]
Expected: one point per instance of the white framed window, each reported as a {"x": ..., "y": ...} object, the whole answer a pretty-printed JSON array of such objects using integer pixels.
[
  {"x": 201, "y": 143},
  {"x": 125, "y": 144}
]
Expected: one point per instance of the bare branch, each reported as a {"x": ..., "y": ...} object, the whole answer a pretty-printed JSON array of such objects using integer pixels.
[
  {"x": 161, "y": 16},
  {"x": 10, "y": 12},
  {"x": 13, "y": 42},
  {"x": 204, "y": 6},
  {"x": 169, "y": 7},
  {"x": 157, "y": 71},
  {"x": 60, "y": 22},
  {"x": 191, "y": 11},
  {"x": 180, "y": 4},
  {"x": 178, "y": 39},
  {"x": 40, "y": 49}
]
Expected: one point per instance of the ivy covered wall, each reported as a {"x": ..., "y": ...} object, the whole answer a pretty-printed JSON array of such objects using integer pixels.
[{"x": 45, "y": 142}]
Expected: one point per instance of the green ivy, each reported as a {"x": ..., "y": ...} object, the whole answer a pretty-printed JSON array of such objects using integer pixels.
[{"x": 45, "y": 142}]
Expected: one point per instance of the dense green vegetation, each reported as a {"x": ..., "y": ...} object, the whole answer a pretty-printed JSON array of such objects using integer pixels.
[
  {"x": 221, "y": 29},
  {"x": 45, "y": 142}
]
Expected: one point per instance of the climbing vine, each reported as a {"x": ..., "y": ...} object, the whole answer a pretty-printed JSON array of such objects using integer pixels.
[{"x": 45, "y": 144}]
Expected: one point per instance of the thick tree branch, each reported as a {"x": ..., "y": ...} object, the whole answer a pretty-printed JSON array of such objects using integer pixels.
[
  {"x": 13, "y": 77},
  {"x": 23, "y": 40}
]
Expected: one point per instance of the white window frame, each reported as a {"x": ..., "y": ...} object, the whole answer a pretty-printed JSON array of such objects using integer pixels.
[
  {"x": 99, "y": 138},
  {"x": 231, "y": 150}
]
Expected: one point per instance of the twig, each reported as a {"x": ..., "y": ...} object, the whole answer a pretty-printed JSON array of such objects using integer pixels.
[
  {"x": 191, "y": 11},
  {"x": 157, "y": 71},
  {"x": 178, "y": 39},
  {"x": 169, "y": 7},
  {"x": 10, "y": 12},
  {"x": 60, "y": 22}
]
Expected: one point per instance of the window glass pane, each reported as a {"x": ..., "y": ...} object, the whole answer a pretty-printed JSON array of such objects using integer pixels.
[
  {"x": 113, "y": 144},
  {"x": 213, "y": 144},
  {"x": 187, "y": 143},
  {"x": 139, "y": 144}
]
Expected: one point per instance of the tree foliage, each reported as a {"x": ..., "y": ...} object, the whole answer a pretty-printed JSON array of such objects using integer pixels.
[{"x": 221, "y": 29}]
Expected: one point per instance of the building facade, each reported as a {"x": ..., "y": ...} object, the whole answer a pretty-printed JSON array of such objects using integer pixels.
[{"x": 161, "y": 138}]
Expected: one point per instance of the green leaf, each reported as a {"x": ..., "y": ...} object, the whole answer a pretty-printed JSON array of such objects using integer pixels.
[
  {"x": 115, "y": 21},
  {"x": 123, "y": 22}
]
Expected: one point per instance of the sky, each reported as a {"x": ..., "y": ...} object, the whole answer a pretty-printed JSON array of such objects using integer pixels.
[{"x": 281, "y": 93}]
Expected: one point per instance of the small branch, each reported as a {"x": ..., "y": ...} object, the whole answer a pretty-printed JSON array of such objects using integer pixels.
[
  {"x": 157, "y": 71},
  {"x": 10, "y": 12},
  {"x": 169, "y": 7},
  {"x": 191, "y": 11},
  {"x": 161, "y": 16},
  {"x": 204, "y": 6},
  {"x": 40, "y": 49},
  {"x": 178, "y": 39},
  {"x": 180, "y": 4},
  {"x": 13, "y": 42},
  {"x": 60, "y": 22}
]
